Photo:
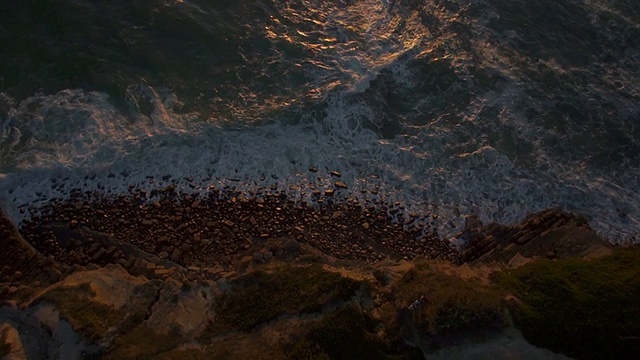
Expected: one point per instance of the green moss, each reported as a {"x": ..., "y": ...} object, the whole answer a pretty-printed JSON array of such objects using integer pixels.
[
  {"x": 584, "y": 309},
  {"x": 289, "y": 290},
  {"x": 346, "y": 333},
  {"x": 86, "y": 316},
  {"x": 143, "y": 343}
]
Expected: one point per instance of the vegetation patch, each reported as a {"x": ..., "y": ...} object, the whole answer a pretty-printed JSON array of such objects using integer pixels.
[
  {"x": 236, "y": 346},
  {"x": 261, "y": 297},
  {"x": 443, "y": 304},
  {"x": 143, "y": 343},
  {"x": 88, "y": 317},
  {"x": 347, "y": 333},
  {"x": 584, "y": 309}
]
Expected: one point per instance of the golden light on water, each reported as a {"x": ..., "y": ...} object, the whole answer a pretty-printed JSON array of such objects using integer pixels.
[{"x": 332, "y": 46}]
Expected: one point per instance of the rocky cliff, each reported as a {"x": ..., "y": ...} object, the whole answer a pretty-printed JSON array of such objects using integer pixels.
[{"x": 82, "y": 293}]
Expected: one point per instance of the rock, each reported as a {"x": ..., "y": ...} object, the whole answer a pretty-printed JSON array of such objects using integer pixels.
[
  {"x": 335, "y": 173},
  {"x": 329, "y": 192},
  {"x": 518, "y": 260},
  {"x": 176, "y": 255},
  {"x": 214, "y": 270},
  {"x": 308, "y": 258},
  {"x": 382, "y": 277},
  {"x": 267, "y": 255},
  {"x": 163, "y": 271},
  {"x": 365, "y": 225},
  {"x": 341, "y": 184},
  {"x": 192, "y": 276},
  {"x": 291, "y": 246},
  {"x": 229, "y": 275},
  {"x": 257, "y": 257}
]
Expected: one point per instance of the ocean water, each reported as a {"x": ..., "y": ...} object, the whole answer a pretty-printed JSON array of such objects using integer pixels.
[{"x": 491, "y": 108}]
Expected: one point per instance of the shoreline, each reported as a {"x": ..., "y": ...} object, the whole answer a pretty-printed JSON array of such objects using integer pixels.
[
  {"x": 199, "y": 230},
  {"x": 230, "y": 251},
  {"x": 227, "y": 229}
]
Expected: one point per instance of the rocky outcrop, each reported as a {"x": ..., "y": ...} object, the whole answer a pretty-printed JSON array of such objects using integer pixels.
[
  {"x": 20, "y": 262},
  {"x": 551, "y": 233},
  {"x": 117, "y": 298}
]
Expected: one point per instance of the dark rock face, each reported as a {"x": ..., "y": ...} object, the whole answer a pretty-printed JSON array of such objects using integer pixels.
[
  {"x": 20, "y": 262},
  {"x": 181, "y": 254},
  {"x": 551, "y": 233}
]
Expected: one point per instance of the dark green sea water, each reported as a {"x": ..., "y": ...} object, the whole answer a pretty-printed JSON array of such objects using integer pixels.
[{"x": 493, "y": 108}]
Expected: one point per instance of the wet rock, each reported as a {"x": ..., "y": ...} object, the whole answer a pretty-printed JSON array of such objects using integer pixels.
[
  {"x": 341, "y": 184},
  {"x": 291, "y": 246}
]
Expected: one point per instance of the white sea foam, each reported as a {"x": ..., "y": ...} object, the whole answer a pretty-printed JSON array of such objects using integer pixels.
[{"x": 80, "y": 139}]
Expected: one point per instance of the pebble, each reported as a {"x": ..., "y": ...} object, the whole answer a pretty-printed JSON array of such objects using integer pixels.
[
  {"x": 205, "y": 230},
  {"x": 341, "y": 184}
]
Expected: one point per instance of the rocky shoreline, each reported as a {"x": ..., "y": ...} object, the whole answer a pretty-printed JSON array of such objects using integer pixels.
[
  {"x": 198, "y": 251},
  {"x": 227, "y": 232},
  {"x": 198, "y": 231}
]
